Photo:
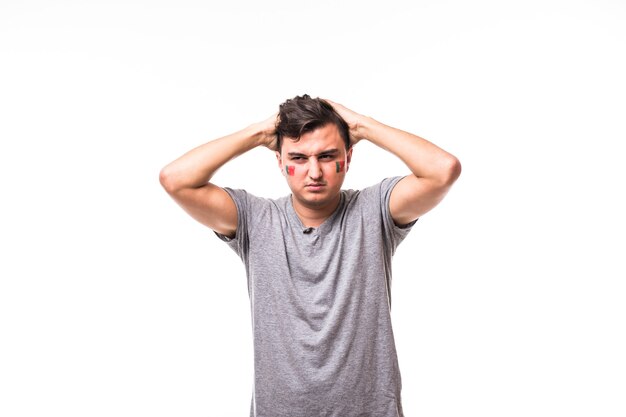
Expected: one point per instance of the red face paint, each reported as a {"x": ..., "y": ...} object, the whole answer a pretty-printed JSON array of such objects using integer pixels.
[
  {"x": 290, "y": 170},
  {"x": 340, "y": 165}
]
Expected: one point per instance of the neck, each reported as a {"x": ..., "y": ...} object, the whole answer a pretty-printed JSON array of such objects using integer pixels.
[{"x": 313, "y": 216}]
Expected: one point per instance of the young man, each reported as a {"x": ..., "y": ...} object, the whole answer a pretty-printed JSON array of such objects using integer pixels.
[{"x": 318, "y": 261}]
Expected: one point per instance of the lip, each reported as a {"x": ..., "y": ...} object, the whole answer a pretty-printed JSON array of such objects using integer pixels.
[{"x": 315, "y": 186}]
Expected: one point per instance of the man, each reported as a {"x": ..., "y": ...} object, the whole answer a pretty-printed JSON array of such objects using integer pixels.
[{"x": 318, "y": 261}]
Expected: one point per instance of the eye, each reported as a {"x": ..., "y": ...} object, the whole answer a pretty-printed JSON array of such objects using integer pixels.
[{"x": 327, "y": 157}]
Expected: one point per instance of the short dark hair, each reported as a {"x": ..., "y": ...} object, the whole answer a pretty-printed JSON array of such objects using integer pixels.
[{"x": 303, "y": 114}]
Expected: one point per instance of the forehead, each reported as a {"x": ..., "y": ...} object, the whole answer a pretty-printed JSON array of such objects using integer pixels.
[{"x": 317, "y": 141}]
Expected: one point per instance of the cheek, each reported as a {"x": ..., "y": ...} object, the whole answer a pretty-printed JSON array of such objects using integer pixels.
[
  {"x": 290, "y": 170},
  {"x": 294, "y": 174},
  {"x": 335, "y": 169},
  {"x": 333, "y": 176}
]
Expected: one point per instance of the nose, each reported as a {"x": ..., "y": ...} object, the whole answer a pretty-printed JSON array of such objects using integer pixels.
[{"x": 315, "y": 170}]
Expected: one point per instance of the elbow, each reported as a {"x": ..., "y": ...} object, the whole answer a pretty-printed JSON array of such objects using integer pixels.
[
  {"x": 451, "y": 170},
  {"x": 165, "y": 178}
]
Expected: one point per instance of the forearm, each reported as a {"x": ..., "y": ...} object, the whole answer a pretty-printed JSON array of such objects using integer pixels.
[
  {"x": 196, "y": 167},
  {"x": 423, "y": 158}
]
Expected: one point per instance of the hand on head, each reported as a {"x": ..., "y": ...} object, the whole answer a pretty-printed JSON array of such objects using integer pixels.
[
  {"x": 352, "y": 119},
  {"x": 268, "y": 132}
]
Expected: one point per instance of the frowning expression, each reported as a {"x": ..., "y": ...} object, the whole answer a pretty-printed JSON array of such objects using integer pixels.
[{"x": 315, "y": 166}]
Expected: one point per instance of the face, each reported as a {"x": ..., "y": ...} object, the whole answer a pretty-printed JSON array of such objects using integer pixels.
[{"x": 315, "y": 166}]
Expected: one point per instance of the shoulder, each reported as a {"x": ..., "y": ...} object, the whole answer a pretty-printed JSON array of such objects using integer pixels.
[
  {"x": 246, "y": 197},
  {"x": 253, "y": 212},
  {"x": 259, "y": 211},
  {"x": 381, "y": 188},
  {"x": 372, "y": 199}
]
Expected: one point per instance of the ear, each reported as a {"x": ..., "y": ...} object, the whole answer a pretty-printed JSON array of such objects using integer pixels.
[
  {"x": 280, "y": 162},
  {"x": 348, "y": 158}
]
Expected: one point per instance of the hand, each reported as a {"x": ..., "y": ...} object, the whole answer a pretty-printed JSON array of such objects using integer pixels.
[
  {"x": 268, "y": 132},
  {"x": 352, "y": 118}
]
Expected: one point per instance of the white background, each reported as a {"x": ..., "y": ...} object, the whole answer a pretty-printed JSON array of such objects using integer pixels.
[{"x": 508, "y": 299}]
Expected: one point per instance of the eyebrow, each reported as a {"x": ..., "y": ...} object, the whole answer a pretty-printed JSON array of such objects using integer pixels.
[{"x": 327, "y": 152}]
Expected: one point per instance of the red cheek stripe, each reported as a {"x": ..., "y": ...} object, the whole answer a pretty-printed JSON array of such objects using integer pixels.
[
  {"x": 290, "y": 170},
  {"x": 340, "y": 165}
]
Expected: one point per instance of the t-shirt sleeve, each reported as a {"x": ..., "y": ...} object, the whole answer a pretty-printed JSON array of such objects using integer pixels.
[
  {"x": 393, "y": 233},
  {"x": 238, "y": 243}
]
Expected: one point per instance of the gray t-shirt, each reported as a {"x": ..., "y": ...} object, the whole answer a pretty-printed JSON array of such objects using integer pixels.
[{"x": 320, "y": 302}]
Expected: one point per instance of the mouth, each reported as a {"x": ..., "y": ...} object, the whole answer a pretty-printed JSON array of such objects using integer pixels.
[{"x": 315, "y": 186}]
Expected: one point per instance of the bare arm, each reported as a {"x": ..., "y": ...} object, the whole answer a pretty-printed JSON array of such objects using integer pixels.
[
  {"x": 433, "y": 169},
  {"x": 187, "y": 178}
]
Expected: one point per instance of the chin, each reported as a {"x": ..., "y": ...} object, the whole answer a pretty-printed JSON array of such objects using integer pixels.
[{"x": 318, "y": 200}]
